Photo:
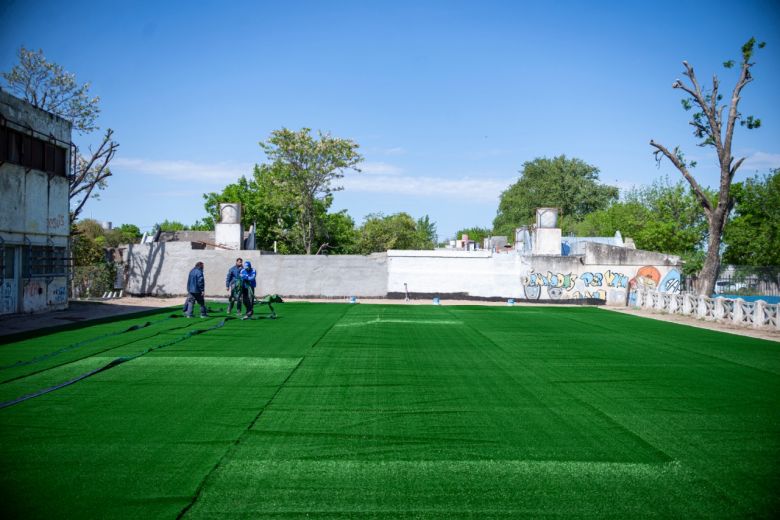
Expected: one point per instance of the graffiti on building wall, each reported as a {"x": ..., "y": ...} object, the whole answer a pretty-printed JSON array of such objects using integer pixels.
[
  {"x": 648, "y": 277},
  {"x": 8, "y": 297},
  {"x": 59, "y": 295},
  {"x": 671, "y": 282},
  {"x": 56, "y": 222},
  {"x": 33, "y": 289},
  {"x": 603, "y": 285},
  {"x": 569, "y": 285}
]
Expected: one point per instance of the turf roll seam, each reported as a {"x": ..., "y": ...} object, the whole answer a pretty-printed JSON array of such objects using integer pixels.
[
  {"x": 61, "y": 351},
  {"x": 111, "y": 364},
  {"x": 74, "y": 346},
  {"x": 204, "y": 481}
]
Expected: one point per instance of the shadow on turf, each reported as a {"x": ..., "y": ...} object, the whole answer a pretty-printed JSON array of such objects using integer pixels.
[{"x": 76, "y": 322}]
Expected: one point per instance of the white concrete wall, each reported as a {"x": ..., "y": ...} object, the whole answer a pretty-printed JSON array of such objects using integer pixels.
[
  {"x": 537, "y": 278},
  {"x": 162, "y": 269},
  {"x": 479, "y": 274}
]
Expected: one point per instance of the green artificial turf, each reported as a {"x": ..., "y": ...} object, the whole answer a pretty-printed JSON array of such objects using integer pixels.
[{"x": 340, "y": 411}]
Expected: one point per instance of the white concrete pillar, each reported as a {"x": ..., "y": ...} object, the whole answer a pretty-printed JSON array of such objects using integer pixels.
[
  {"x": 777, "y": 316},
  {"x": 701, "y": 308},
  {"x": 688, "y": 305},
  {"x": 739, "y": 311},
  {"x": 759, "y": 314},
  {"x": 719, "y": 310}
]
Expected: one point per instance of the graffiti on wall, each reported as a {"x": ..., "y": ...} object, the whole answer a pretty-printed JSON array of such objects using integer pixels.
[
  {"x": 569, "y": 285},
  {"x": 59, "y": 295},
  {"x": 603, "y": 285},
  {"x": 649, "y": 277},
  {"x": 8, "y": 297},
  {"x": 56, "y": 222},
  {"x": 671, "y": 282},
  {"x": 33, "y": 289}
]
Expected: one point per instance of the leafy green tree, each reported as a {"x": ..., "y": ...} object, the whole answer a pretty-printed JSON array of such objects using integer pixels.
[
  {"x": 714, "y": 131},
  {"x": 569, "y": 184},
  {"x": 87, "y": 243},
  {"x": 341, "y": 237},
  {"x": 48, "y": 86},
  {"x": 265, "y": 202},
  {"x": 130, "y": 232},
  {"x": 309, "y": 168},
  {"x": 477, "y": 234},
  {"x": 426, "y": 233},
  {"x": 662, "y": 217},
  {"x": 172, "y": 225},
  {"x": 752, "y": 236},
  {"x": 124, "y": 234},
  {"x": 398, "y": 231}
]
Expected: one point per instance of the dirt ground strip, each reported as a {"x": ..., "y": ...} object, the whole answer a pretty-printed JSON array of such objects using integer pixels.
[
  {"x": 702, "y": 324},
  {"x": 80, "y": 311}
]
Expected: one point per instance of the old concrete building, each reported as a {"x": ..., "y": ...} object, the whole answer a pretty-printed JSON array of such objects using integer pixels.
[{"x": 35, "y": 161}]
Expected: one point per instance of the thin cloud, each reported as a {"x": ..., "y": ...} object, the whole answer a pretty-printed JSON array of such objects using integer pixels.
[
  {"x": 465, "y": 188},
  {"x": 184, "y": 170},
  {"x": 761, "y": 161},
  {"x": 379, "y": 168},
  {"x": 395, "y": 150}
]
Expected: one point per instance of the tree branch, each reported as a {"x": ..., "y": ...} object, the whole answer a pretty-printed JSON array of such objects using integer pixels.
[
  {"x": 744, "y": 79},
  {"x": 703, "y": 200},
  {"x": 91, "y": 173},
  {"x": 697, "y": 95}
]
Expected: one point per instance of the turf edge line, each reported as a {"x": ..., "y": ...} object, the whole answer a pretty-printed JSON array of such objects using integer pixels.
[
  {"x": 202, "y": 484},
  {"x": 111, "y": 364}
]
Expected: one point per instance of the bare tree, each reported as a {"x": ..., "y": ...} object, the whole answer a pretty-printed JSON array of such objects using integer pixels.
[
  {"x": 709, "y": 125},
  {"x": 48, "y": 86}
]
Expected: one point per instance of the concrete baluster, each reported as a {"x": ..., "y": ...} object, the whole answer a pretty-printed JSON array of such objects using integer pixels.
[
  {"x": 759, "y": 314},
  {"x": 719, "y": 310},
  {"x": 688, "y": 308},
  {"x": 701, "y": 309},
  {"x": 739, "y": 311}
]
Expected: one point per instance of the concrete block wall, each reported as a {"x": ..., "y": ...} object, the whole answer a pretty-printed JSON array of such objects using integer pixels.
[{"x": 162, "y": 269}]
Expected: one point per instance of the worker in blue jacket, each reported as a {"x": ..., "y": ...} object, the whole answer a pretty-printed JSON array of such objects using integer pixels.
[
  {"x": 233, "y": 287},
  {"x": 248, "y": 282},
  {"x": 196, "y": 287}
]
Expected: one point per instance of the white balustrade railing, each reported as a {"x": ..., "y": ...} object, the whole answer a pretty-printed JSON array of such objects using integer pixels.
[{"x": 758, "y": 314}]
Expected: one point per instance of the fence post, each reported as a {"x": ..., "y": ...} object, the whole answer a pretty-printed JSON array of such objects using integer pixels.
[
  {"x": 777, "y": 316},
  {"x": 687, "y": 304},
  {"x": 719, "y": 311},
  {"x": 739, "y": 312},
  {"x": 701, "y": 308},
  {"x": 759, "y": 314}
]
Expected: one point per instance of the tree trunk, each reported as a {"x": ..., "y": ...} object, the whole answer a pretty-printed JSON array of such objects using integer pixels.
[{"x": 708, "y": 275}]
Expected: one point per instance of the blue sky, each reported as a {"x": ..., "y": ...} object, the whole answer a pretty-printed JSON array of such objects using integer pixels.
[{"x": 446, "y": 99}]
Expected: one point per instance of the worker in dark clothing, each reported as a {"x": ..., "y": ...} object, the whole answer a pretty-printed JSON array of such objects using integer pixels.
[
  {"x": 196, "y": 286},
  {"x": 233, "y": 288},
  {"x": 248, "y": 284}
]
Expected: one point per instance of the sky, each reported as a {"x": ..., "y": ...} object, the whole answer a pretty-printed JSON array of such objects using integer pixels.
[{"x": 447, "y": 100}]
